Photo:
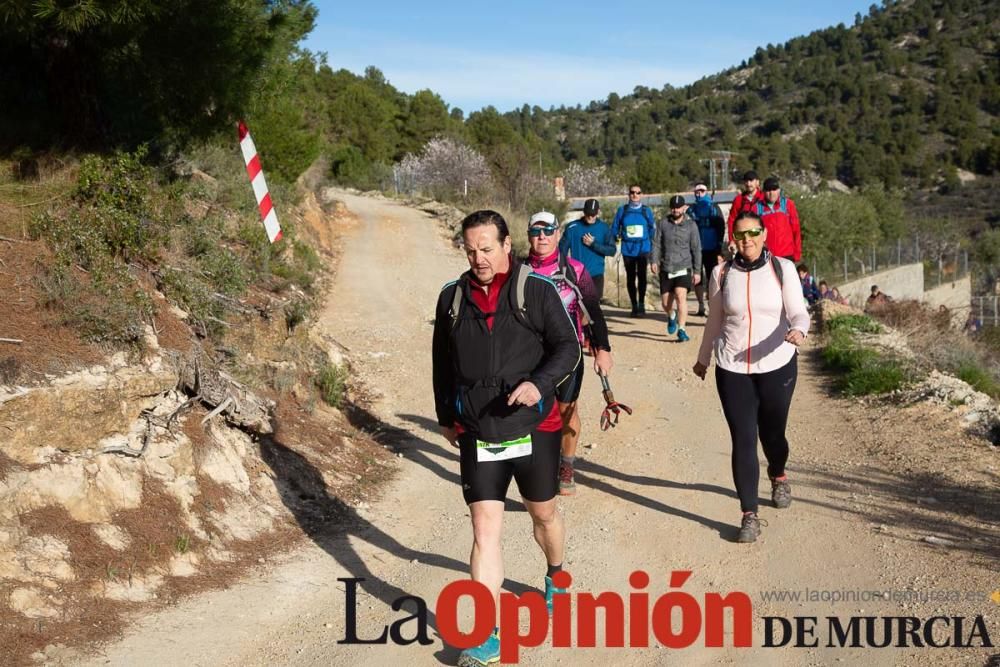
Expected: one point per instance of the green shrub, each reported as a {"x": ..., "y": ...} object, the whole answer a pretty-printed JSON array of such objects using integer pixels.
[
  {"x": 332, "y": 384},
  {"x": 979, "y": 378},
  {"x": 853, "y": 322},
  {"x": 863, "y": 371},
  {"x": 296, "y": 313}
]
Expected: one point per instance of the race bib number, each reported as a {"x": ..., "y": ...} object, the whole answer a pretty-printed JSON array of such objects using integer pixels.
[
  {"x": 502, "y": 451},
  {"x": 677, "y": 274},
  {"x": 635, "y": 231}
]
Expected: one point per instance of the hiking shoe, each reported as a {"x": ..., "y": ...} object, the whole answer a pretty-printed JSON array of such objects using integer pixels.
[
  {"x": 567, "y": 487},
  {"x": 487, "y": 653},
  {"x": 671, "y": 325},
  {"x": 781, "y": 493},
  {"x": 642, "y": 308},
  {"x": 682, "y": 336},
  {"x": 749, "y": 529},
  {"x": 550, "y": 590},
  {"x": 701, "y": 311},
  {"x": 635, "y": 311}
]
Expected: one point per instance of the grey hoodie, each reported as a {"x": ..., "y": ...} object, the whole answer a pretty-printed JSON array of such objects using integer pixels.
[{"x": 677, "y": 246}]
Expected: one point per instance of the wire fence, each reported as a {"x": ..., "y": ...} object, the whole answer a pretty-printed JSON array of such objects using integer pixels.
[
  {"x": 942, "y": 262},
  {"x": 986, "y": 309}
]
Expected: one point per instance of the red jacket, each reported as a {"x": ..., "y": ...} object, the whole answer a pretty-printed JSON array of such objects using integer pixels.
[
  {"x": 741, "y": 204},
  {"x": 781, "y": 220}
]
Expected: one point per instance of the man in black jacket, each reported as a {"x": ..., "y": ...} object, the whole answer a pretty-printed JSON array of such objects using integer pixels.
[{"x": 502, "y": 343}]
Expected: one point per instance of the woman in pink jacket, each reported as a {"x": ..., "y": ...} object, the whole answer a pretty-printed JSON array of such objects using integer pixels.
[{"x": 757, "y": 318}]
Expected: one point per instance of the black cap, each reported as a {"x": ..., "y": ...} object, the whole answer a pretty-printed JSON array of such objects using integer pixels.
[
  {"x": 676, "y": 201},
  {"x": 750, "y": 175},
  {"x": 591, "y": 207},
  {"x": 771, "y": 184}
]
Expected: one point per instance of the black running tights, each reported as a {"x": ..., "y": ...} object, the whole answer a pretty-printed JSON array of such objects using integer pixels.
[
  {"x": 635, "y": 267},
  {"x": 757, "y": 403}
]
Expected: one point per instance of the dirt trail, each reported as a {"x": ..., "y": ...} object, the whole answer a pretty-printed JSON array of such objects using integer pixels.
[{"x": 654, "y": 494}]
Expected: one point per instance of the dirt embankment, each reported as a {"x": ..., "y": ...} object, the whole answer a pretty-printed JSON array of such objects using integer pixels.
[{"x": 118, "y": 489}]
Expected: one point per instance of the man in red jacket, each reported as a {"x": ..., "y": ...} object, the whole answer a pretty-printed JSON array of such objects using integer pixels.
[
  {"x": 781, "y": 220},
  {"x": 746, "y": 200}
]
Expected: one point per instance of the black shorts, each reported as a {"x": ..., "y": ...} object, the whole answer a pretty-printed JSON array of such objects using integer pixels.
[
  {"x": 670, "y": 284},
  {"x": 537, "y": 475},
  {"x": 569, "y": 390}
]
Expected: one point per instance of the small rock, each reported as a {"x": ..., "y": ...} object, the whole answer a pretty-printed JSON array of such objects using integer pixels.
[
  {"x": 940, "y": 541},
  {"x": 328, "y": 625}
]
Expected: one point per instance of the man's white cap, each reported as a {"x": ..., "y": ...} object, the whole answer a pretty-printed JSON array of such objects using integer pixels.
[{"x": 542, "y": 216}]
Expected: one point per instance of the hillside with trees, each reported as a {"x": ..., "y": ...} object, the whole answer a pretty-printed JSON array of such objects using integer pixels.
[{"x": 905, "y": 96}]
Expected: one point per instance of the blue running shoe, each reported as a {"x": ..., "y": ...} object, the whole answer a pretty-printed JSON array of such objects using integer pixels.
[
  {"x": 682, "y": 336},
  {"x": 550, "y": 590},
  {"x": 671, "y": 325},
  {"x": 487, "y": 653}
]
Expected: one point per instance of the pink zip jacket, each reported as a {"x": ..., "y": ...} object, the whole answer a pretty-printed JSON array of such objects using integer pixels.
[{"x": 747, "y": 325}]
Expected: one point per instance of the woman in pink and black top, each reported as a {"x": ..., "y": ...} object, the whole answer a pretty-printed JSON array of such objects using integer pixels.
[{"x": 757, "y": 318}]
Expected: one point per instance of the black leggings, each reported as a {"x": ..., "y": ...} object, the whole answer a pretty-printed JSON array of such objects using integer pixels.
[
  {"x": 752, "y": 403},
  {"x": 635, "y": 267},
  {"x": 599, "y": 285}
]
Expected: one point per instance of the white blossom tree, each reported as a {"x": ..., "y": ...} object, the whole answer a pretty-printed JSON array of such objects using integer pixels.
[
  {"x": 580, "y": 181},
  {"x": 445, "y": 168}
]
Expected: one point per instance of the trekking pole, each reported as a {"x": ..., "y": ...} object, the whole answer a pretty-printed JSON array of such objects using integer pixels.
[
  {"x": 613, "y": 407},
  {"x": 618, "y": 278}
]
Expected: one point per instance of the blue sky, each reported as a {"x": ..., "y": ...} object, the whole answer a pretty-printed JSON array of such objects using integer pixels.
[{"x": 510, "y": 53}]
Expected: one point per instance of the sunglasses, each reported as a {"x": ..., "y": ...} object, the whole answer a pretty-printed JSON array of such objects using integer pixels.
[
  {"x": 635, "y": 192},
  {"x": 748, "y": 233},
  {"x": 700, "y": 191},
  {"x": 534, "y": 232}
]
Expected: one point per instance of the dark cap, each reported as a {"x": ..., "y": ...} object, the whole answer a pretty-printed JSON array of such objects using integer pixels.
[
  {"x": 771, "y": 184},
  {"x": 676, "y": 201},
  {"x": 591, "y": 207},
  {"x": 750, "y": 175}
]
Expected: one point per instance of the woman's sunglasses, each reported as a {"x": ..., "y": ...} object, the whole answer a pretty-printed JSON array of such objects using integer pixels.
[
  {"x": 748, "y": 233},
  {"x": 537, "y": 231}
]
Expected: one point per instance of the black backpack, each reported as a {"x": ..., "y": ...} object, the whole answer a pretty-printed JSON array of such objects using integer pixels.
[{"x": 565, "y": 271}]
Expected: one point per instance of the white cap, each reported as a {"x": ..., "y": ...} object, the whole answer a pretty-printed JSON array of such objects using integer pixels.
[{"x": 543, "y": 216}]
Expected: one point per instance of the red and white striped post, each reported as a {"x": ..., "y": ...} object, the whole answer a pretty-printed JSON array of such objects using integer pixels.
[{"x": 256, "y": 175}]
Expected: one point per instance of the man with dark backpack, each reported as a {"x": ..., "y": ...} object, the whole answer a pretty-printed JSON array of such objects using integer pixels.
[
  {"x": 502, "y": 344},
  {"x": 635, "y": 225}
]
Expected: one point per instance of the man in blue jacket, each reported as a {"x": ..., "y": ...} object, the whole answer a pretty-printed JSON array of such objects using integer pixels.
[
  {"x": 635, "y": 225},
  {"x": 712, "y": 231},
  {"x": 588, "y": 240}
]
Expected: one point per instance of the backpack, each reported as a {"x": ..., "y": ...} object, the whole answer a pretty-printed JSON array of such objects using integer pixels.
[
  {"x": 564, "y": 272},
  {"x": 782, "y": 206}
]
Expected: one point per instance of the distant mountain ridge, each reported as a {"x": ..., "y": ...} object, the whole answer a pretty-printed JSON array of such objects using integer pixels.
[{"x": 906, "y": 96}]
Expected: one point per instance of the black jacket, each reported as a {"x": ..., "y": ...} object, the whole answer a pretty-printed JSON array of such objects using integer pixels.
[{"x": 475, "y": 369}]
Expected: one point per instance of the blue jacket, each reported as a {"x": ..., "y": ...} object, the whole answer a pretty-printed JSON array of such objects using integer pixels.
[
  {"x": 711, "y": 223},
  {"x": 592, "y": 256},
  {"x": 636, "y": 228}
]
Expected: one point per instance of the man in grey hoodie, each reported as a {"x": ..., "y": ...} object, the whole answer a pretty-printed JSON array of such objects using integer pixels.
[{"x": 677, "y": 260}]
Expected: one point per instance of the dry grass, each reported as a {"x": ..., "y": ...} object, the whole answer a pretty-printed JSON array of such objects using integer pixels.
[
  {"x": 939, "y": 345},
  {"x": 21, "y": 199}
]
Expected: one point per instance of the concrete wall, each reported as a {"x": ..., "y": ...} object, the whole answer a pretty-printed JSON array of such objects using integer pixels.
[
  {"x": 956, "y": 297},
  {"x": 901, "y": 282}
]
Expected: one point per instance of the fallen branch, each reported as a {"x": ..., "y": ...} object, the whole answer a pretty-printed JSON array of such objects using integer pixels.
[
  {"x": 128, "y": 451},
  {"x": 15, "y": 341},
  {"x": 219, "y": 408},
  {"x": 10, "y": 240}
]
